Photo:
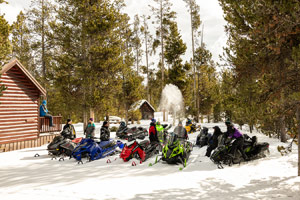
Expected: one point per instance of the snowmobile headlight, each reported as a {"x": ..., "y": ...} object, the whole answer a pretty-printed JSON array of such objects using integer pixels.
[{"x": 57, "y": 149}]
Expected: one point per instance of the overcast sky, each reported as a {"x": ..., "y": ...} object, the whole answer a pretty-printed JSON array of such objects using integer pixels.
[{"x": 210, "y": 11}]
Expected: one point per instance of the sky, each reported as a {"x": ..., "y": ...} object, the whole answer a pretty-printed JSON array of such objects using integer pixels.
[{"x": 210, "y": 12}]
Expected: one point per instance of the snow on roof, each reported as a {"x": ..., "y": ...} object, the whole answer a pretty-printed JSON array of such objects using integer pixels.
[{"x": 138, "y": 104}]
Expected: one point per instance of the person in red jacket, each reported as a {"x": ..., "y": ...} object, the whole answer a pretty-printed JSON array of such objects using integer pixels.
[{"x": 153, "y": 132}]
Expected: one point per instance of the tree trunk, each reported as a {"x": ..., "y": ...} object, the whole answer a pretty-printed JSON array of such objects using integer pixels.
[
  {"x": 85, "y": 121},
  {"x": 251, "y": 128},
  {"x": 193, "y": 57},
  {"x": 282, "y": 130},
  {"x": 147, "y": 64},
  {"x": 126, "y": 113},
  {"x": 162, "y": 48},
  {"x": 197, "y": 99},
  {"x": 43, "y": 45},
  {"x": 92, "y": 113},
  {"x": 298, "y": 123}
]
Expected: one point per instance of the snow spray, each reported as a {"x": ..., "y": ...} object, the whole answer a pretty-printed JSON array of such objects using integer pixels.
[{"x": 172, "y": 101}]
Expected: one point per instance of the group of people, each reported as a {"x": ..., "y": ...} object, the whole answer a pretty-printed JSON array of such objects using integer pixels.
[
  {"x": 89, "y": 131},
  {"x": 232, "y": 133},
  {"x": 155, "y": 128}
]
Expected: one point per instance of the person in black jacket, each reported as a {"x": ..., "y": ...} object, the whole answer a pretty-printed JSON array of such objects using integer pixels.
[
  {"x": 105, "y": 132},
  {"x": 211, "y": 147},
  {"x": 69, "y": 130}
]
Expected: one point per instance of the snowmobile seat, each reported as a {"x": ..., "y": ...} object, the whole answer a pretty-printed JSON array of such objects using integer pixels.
[
  {"x": 106, "y": 144},
  {"x": 144, "y": 143},
  {"x": 254, "y": 141}
]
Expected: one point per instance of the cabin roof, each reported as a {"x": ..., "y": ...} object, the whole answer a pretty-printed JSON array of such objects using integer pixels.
[
  {"x": 17, "y": 63},
  {"x": 138, "y": 104}
]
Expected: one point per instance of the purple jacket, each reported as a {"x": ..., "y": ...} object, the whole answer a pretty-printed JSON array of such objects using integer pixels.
[{"x": 236, "y": 134}]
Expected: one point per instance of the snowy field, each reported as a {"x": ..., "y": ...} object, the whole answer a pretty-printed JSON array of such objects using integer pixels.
[{"x": 22, "y": 176}]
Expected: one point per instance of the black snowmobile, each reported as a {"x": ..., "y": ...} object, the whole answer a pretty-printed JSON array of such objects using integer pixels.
[
  {"x": 254, "y": 150},
  {"x": 203, "y": 138},
  {"x": 139, "y": 150},
  {"x": 61, "y": 146},
  {"x": 130, "y": 134},
  {"x": 176, "y": 151}
]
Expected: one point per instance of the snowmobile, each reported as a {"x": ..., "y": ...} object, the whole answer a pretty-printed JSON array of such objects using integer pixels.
[
  {"x": 130, "y": 134},
  {"x": 203, "y": 138},
  {"x": 254, "y": 150},
  {"x": 190, "y": 127},
  {"x": 139, "y": 150},
  {"x": 177, "y": 151},
  {"x": 61, "y": 146},
  {"x": 92, "y": 150}
]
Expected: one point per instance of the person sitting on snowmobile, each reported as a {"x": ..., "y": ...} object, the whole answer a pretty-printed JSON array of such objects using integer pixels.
[
  {"x": 181, "y": 132},
  {"x": 233, "y": 133},
  {"x": 69, "y": 130},
  {"x": 160, "y": 132},
  {"x": 214, "y": 144},
  {"x": 105, "y": 132},
  {"x": 89, "y": 131},
  {"x": 153, "y": 132}
]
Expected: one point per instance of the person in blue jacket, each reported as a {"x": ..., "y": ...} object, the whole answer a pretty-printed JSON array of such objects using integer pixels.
[{"x": 45, "y": 113}]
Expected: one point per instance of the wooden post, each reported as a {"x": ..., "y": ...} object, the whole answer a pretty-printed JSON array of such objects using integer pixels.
[{"x": 298, "y": 123}]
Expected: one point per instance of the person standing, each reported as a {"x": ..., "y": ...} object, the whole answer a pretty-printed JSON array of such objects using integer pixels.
[
  {"x": 69, "y": 130},
  {"x": 105, "y": 132},
  {"x": 45, "y": 113},
  {"x": 153, "y": 132},
  {"x": 89, "y": 131},
  {"x": 214, "y": 144}
]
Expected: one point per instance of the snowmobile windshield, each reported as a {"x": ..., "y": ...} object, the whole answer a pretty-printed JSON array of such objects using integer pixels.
[
  {"x": 172, "y": 139},
  {"x": 179, "y": 130}
]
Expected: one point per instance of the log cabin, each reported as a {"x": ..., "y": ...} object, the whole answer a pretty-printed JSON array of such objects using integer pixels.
[
  {"x": 145, "y": 108},
  {"x": 20, "y": 123}
]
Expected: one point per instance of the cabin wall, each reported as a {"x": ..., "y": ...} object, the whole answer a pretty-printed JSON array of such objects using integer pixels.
[
  {"x": 42, "y": 140},
  {"x": 147, "y": 111},
  {"x": 18, "y": 108}
]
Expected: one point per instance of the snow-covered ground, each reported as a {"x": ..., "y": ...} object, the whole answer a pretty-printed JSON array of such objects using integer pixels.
[{"x": 23, "y": 176}]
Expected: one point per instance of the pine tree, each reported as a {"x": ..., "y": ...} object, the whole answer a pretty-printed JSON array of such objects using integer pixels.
[
  {"x": 5, "y": 46},
  {"x": 163, "y": 15},
  {"x": 174, "y": 49},
  {"x": 194, "y": 11},
  {"x": 147, "y": 41},
  {"x": 21, "y": 42},
  {"x": 40, "y": 16},
  {"x": 137, "y": 41}
]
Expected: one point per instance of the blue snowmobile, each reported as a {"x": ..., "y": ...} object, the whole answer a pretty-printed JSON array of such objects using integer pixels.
[{"x": 92, "y": 150}]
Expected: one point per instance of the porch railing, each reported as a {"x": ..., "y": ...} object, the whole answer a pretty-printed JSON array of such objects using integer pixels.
[{"x": 44, "y": 124}]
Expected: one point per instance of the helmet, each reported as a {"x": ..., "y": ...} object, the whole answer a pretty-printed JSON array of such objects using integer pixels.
[
  {"x": 158, "y": 123},
  {"x": 153, "y": 120},
  {"x": 228, "y": 122},
  {"x": 122, "y": 124}
]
